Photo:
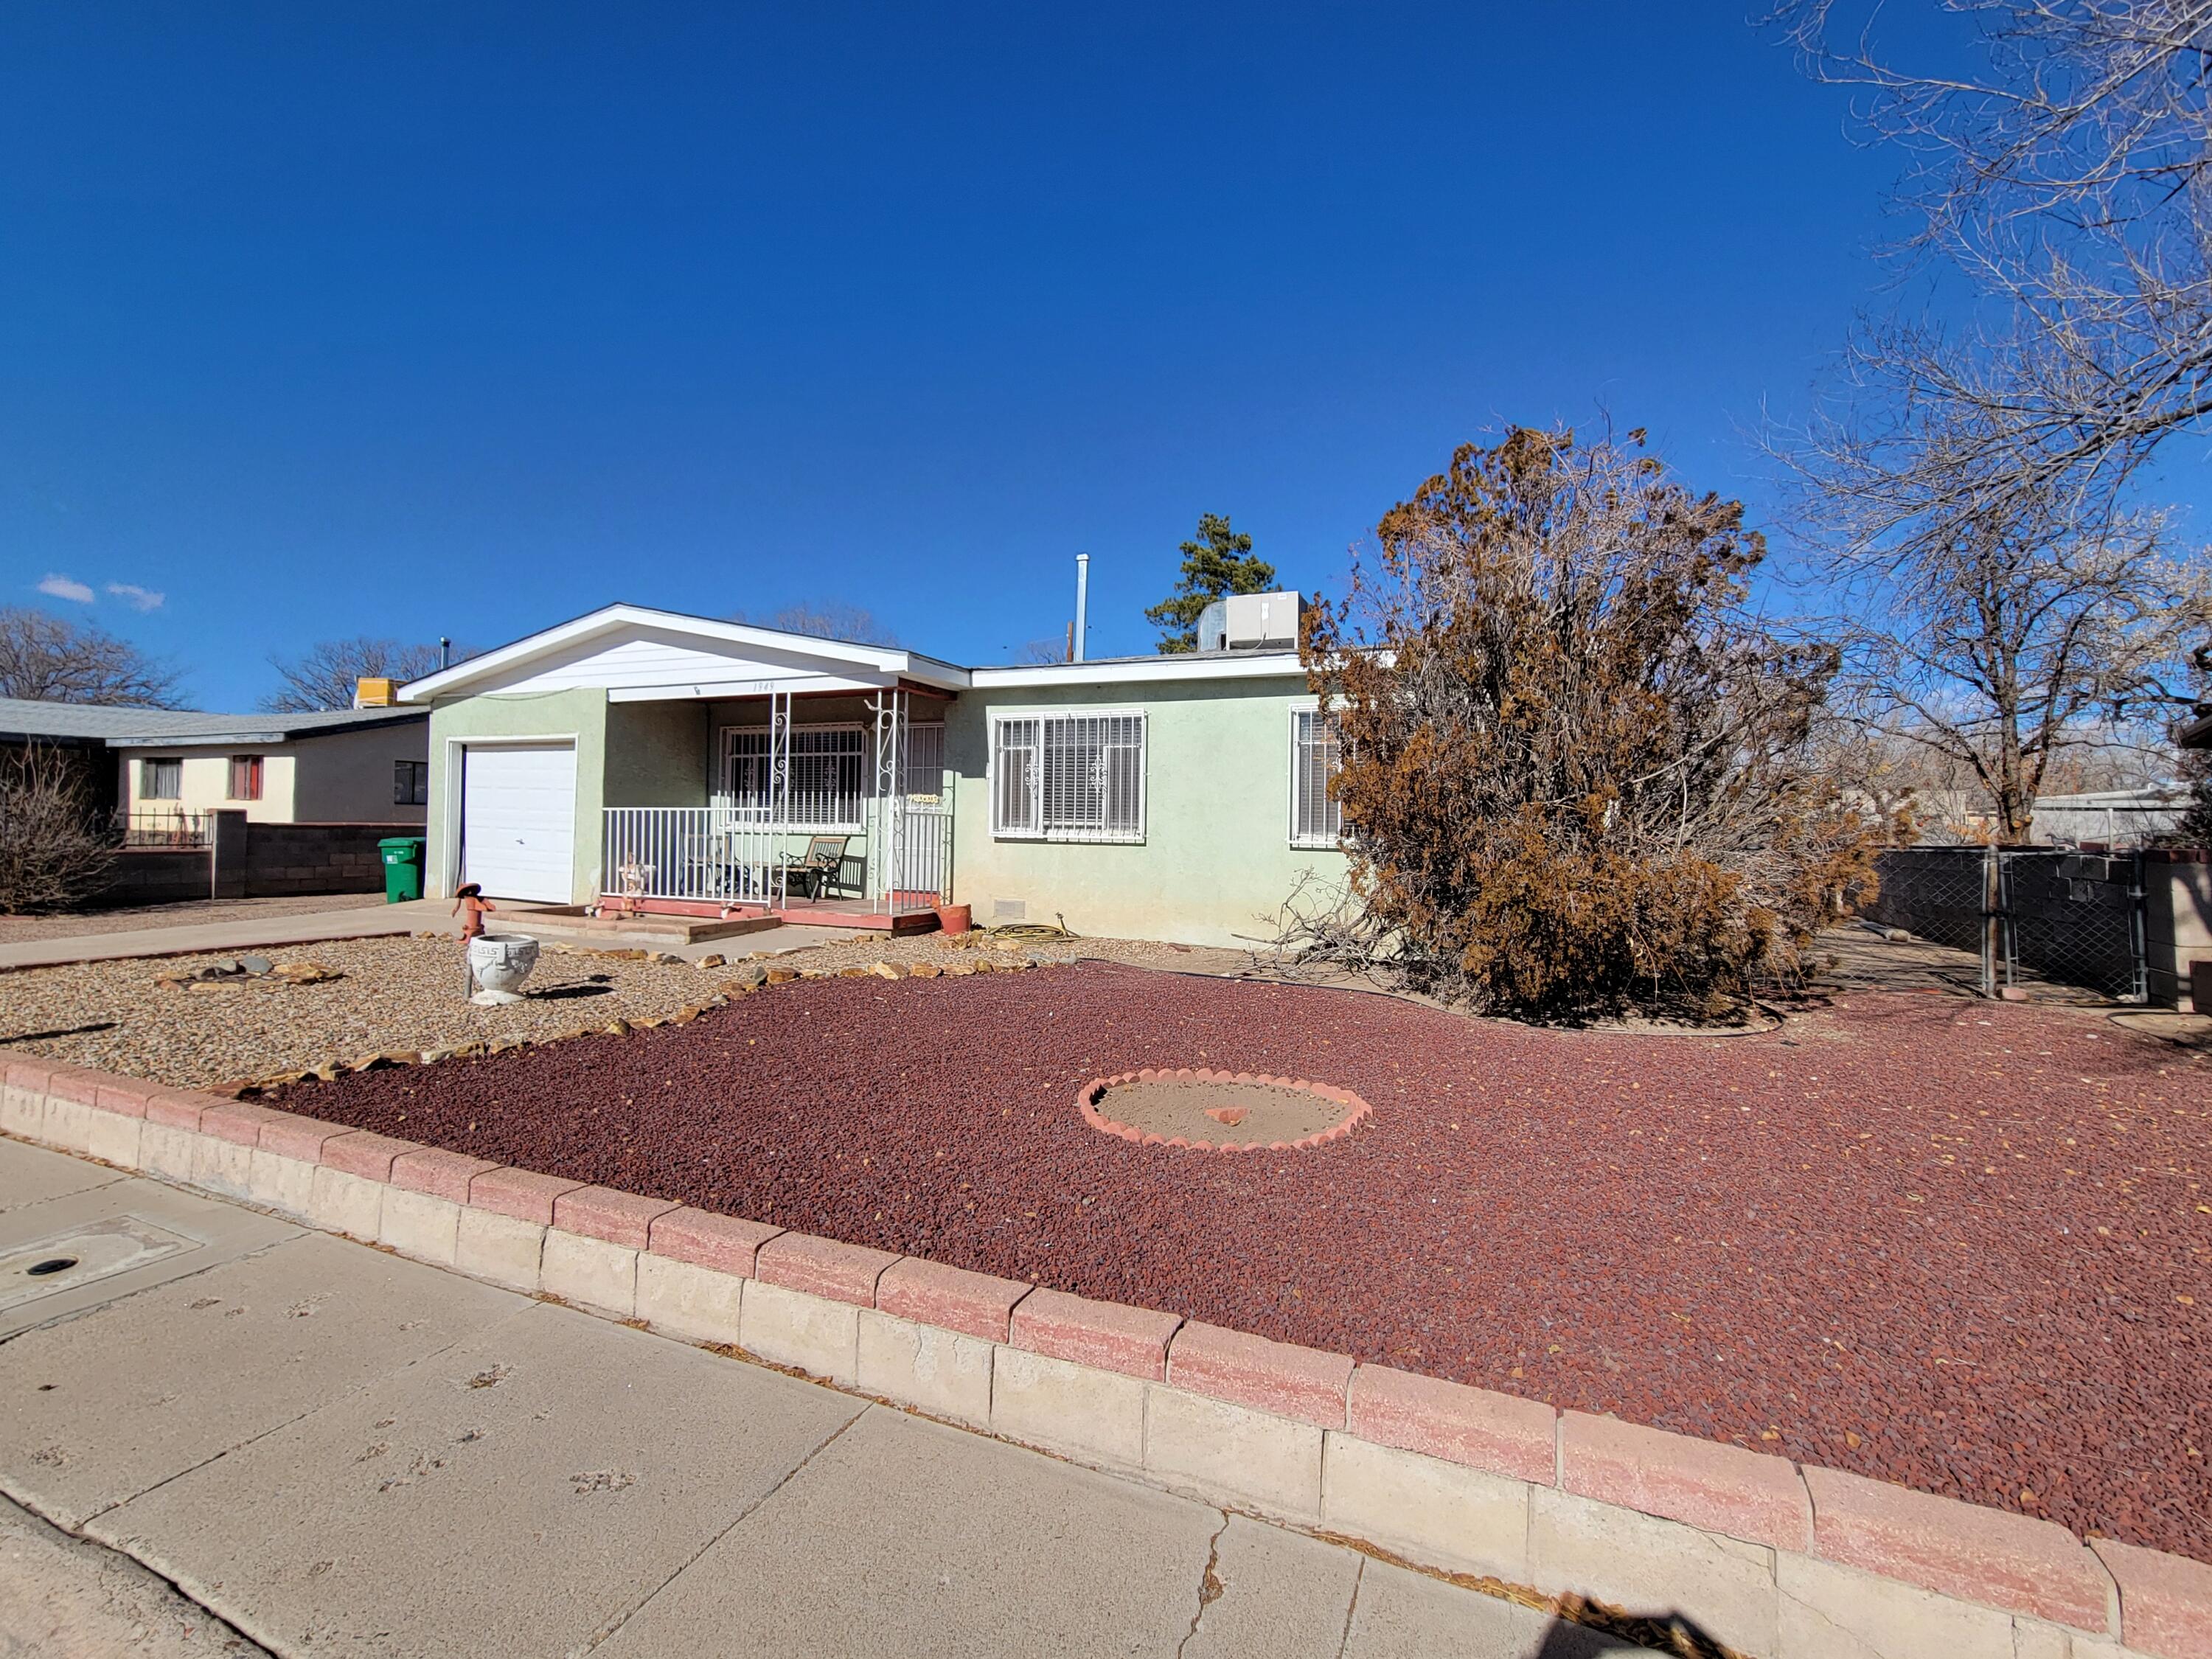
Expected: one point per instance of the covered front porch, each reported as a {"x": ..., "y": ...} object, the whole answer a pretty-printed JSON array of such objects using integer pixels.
[{"x": 828, "y": 805}]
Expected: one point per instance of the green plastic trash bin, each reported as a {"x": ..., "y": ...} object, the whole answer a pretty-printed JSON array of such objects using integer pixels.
[{"x": 403, "y": 867}]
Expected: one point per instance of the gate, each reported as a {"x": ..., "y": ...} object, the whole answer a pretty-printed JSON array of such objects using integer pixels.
[{"x": 2040, "y": 913}]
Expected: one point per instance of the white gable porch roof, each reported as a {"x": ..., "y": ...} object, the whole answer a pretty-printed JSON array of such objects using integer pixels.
[{"x": 641, "y": 654}]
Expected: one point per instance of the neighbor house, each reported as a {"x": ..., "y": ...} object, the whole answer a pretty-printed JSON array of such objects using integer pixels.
[
  {"x": 77, "y": 735},
  {"x": 346, "y": 766},
  {"x": 655, "y": 761}
]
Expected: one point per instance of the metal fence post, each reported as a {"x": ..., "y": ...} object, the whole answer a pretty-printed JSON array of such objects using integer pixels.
[
  {"x": 1992, "y": 919},
  {"x": 2139, "y": 928}
]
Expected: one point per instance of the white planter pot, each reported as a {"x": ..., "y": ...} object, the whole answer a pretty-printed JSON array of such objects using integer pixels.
[{"x": 500, "y": 962}]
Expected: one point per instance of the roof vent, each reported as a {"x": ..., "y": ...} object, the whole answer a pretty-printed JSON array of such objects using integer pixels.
[{"x": 1257, "y": 622}]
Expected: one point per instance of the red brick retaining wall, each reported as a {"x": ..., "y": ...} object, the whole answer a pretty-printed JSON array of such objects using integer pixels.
[{"x": 1771, "y": 1558}]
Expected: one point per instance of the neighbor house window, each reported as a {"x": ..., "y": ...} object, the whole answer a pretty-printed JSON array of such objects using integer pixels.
[
  {"x": 826, "y": 785},
  {"x": 1316, "y": 754},
  {"x": 160, "y": 780},
  {"x": 244, "y": 777},
  {"x": 1068, "y": 777},
  {"x": 410, "y": 783}
]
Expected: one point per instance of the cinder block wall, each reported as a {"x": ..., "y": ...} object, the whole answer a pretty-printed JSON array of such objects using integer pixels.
[
  {"x": 156, "y": 875},
  {"x": 284, "y": 859}
]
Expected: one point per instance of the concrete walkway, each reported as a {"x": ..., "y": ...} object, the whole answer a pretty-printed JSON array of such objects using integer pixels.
[
  {"x": 251, "y": 933},
  {"x": 305, "y": 927},
  {"x": 326, "y": 1447}
]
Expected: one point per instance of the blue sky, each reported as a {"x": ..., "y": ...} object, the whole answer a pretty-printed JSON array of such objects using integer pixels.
[{"x": 412, "y": 319}]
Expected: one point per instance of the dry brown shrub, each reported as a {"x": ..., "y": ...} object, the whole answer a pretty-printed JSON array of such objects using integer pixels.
[
  {"x": 52, "y": 853},
  {"x": 1578, "y": 775}
]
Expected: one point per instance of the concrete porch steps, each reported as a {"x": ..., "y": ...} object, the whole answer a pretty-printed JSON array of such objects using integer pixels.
[{"x": 570, "y": 926}]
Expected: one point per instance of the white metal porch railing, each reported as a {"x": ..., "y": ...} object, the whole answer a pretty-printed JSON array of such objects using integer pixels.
[
  {"x": 732, "y": 857},
  {"x": 750, "y": 846}
]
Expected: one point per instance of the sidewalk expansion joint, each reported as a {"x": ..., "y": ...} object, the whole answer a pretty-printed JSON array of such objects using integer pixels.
[
  {"x": 1351, "y": 1607},
  {"x": 606, "y": 1632},
  {"x": 122, "y": 1296},
  {"x": 235, "y": 1639},
  {"x": 319, "y": 1407}
]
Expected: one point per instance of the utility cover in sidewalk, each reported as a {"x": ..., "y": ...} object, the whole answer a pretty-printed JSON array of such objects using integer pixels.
[{"x": 62, "y": 1261}]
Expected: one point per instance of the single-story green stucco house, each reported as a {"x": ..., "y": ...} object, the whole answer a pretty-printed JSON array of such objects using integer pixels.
[{"x": 651, "y": 761}]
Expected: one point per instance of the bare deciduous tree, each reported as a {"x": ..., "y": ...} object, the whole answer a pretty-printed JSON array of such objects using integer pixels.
[
  {"x": 2016, "y": 639},
  {"x": 1916, "y": 782},
  {"x": 52, "y": 853},
  {"x": 1967, "y": 487},
  {"x": 325, "y": 675},
  {"x": 46, "y": 659},
  {"x": 1577, "y": 772},
  {"x": 2070, "y": 181},
  {"x": 831, "y": 620}
]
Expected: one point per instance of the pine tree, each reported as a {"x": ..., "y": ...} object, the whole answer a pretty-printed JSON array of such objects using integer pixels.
[{"x": 1217, "y": 562}]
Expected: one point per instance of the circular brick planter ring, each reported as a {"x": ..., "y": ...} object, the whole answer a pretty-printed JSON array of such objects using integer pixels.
[{"x": 1228, "y": 1112}]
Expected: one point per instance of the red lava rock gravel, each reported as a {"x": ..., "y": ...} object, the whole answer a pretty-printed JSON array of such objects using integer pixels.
[{"x": 1962, "y": 1247}]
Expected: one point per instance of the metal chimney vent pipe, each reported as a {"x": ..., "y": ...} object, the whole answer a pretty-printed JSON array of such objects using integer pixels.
[{"x": 1082, "y": 601}]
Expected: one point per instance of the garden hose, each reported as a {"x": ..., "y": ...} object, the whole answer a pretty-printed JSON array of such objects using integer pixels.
[{"x": 1026, "y": 933}]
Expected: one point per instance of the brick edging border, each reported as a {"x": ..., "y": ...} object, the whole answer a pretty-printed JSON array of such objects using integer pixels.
[
  {"x": 1749, "y": 1544},
  {"x": 1087, "y": 1099}
]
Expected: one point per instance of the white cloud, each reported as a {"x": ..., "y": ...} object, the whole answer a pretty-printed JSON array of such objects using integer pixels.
[
  {"x": 65, "y": 587},
  {"x": 137, "y": 598}
]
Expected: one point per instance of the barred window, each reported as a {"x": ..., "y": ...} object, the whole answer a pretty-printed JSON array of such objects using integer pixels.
[
  {"x": 1068, "y": 777},
  {"x": 1316, "y": 754},
  {"x": 827, "y": 787}
]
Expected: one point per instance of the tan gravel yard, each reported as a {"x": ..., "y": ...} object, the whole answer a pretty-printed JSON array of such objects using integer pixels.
[
  {"x": 394, "y": 994},
  {"x": 404, "y": 994}
]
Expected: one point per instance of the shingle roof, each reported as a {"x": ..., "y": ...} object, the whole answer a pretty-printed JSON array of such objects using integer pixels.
[{"x": 21, "y": 719}]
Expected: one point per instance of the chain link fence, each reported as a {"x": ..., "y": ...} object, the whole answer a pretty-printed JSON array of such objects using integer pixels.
[{"x": 2048, "y": 914}]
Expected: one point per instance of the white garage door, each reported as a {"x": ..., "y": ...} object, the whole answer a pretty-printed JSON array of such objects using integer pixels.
[{"x": 519, "y": 819}]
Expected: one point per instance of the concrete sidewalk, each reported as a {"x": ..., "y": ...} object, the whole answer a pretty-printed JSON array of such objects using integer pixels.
[{"x": 327, "y": 1446}]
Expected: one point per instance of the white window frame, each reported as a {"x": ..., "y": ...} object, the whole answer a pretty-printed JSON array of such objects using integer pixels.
[
  {"x": 1307, "y": 840},
  {"x": 1077, "y": 835},
  {"x": 854, "y": 826}
]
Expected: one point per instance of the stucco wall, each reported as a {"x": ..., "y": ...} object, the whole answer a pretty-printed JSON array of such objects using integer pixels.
[
  {"x": 657, "y": 754},
  {"x": 206, "y": 782},
  {"x": 1216, "y": 861},
  {"x": 580, "y": 715},
  {"x": 2177, "y": 888},
  {"x": 346, "y": 777}
]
